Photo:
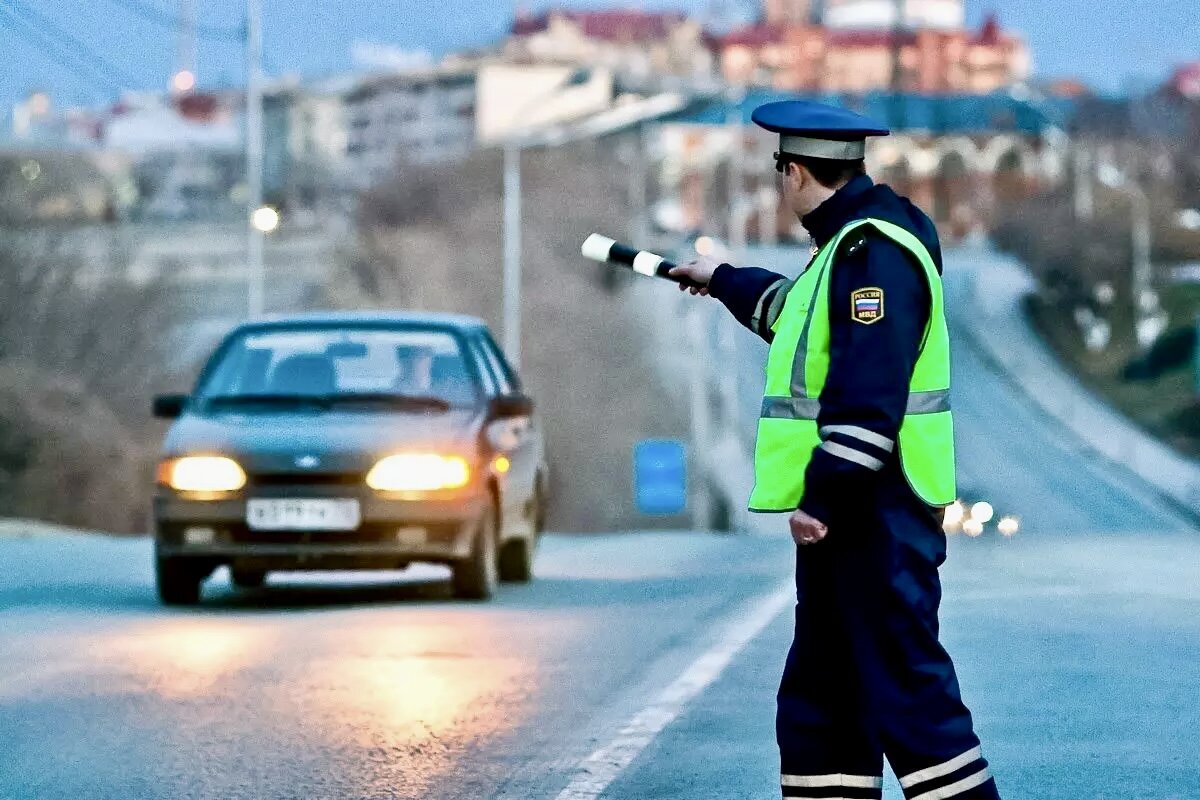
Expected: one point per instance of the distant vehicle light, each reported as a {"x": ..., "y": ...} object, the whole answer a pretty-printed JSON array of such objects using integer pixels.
[
  {"x": 954, "y": 514},
  {"x": 502, "y": 464},
  {"x": 982, "y": 511},
  {"x": 972, "y": 527},
  {"x": 202, "y": 474},
  {"x": 1008, "y": 526},
  {"x": 418, "y": 472}
]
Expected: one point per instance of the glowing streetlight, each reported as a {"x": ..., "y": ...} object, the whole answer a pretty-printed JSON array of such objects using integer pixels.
[
  {"x": 183, "y": 81},
  {"x": 705, "y": 245},
  {"x": 265, "y": 219}
]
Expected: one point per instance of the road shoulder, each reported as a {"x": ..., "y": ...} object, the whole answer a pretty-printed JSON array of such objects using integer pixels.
[{"x": 987, "y": 309}]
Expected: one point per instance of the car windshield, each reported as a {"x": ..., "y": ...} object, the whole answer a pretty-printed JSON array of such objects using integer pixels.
[{"x": 344, "y": 366}]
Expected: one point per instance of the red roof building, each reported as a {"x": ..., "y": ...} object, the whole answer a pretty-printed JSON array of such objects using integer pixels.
[
  {"x": 627, "y": 41},
  {"x": 821, "y": 59}
]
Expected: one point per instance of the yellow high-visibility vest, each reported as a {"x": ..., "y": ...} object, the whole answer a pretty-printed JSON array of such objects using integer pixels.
[{"x": 798, "y": 364}]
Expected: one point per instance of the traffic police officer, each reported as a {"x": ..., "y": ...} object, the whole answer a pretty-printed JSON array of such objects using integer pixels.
[{"x": 855, "y": 443}]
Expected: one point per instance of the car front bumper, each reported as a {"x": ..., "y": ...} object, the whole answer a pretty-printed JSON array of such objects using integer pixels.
[{"x": 393, "y": 530}]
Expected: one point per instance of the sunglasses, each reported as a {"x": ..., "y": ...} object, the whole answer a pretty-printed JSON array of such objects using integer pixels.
[{"x": 781, "y": 162}]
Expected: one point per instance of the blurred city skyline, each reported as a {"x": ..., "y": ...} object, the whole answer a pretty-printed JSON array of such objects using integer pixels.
[{"x": 1121, "y": 48}]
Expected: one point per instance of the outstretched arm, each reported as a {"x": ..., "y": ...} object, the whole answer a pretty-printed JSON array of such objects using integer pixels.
[{"x": 754, "y": 296}]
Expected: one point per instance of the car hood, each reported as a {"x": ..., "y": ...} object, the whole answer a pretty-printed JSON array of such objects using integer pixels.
[{"x": 340, "y": 441}]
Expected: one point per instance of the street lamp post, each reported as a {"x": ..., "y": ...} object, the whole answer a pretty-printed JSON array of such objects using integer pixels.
[
  {"x": 255, "y": 277},
  {"x": 511, "y": 272},
  {"x": 511, "y": 319},
  {"x": 1139, "y": 209},
  {"x": 1145, "y": 301}
]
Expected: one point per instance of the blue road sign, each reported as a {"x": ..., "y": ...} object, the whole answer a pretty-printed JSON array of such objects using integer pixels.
[{"x": 660, "y": 476}]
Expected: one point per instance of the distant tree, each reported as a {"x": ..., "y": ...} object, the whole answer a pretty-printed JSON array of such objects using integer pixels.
[
  {"x": 430, "y": 237},
  {"x": 78, "y": 365}
]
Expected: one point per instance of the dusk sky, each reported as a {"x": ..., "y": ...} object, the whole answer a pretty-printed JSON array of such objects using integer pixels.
[{"x": 1109, "y": 44}]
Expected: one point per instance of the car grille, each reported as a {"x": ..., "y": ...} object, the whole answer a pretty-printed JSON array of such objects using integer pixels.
[{"x": 307, "y": 479}]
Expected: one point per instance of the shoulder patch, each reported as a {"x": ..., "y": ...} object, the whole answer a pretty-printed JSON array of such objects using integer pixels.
[{"x": 866, "y": 305}]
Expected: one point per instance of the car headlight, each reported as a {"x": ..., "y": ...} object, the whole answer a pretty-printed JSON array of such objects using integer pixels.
[
  {"x": 419, "y": 472},
  {"x": 202, "y": 474}
]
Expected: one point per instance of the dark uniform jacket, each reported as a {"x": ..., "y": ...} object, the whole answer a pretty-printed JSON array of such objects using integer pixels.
[{"x": 870, "y": 365}]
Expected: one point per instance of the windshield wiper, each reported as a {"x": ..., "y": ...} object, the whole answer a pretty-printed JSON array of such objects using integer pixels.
[
  {"x": 390, "y": 399},
  {"x": 322, "y": 401}
]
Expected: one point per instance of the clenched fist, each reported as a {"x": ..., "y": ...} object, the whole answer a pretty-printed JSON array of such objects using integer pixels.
[
  {"x": 806, "y": 529},
  {"x": 699, "y": 271}
]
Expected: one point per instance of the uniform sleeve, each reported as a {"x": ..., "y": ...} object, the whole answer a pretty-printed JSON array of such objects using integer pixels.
[
  {"x": 871, "y": 365},
  {"x": 753, "y": 295}
]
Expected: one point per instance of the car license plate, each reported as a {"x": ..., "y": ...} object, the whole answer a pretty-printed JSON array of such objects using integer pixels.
[{"x": 303, "y": 515}]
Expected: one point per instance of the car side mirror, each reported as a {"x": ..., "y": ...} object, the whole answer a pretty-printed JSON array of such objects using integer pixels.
[
  {"x": 170, "y": 406},
  {"x": 512, "y": 405}
]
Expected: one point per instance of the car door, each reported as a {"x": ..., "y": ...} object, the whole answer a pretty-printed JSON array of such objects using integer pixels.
[{"x": 523, "y": 444}]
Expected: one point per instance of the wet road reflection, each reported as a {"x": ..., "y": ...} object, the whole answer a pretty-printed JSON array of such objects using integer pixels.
[
  {"x": 179, "y": 657},
  {"x": 348, "y": 686}
]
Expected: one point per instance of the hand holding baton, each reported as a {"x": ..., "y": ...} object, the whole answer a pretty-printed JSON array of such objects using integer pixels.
[{"x": 609, "y": 251}]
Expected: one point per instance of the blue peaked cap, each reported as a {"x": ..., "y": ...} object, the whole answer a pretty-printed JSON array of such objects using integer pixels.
[{"x": 817, "y": 130}]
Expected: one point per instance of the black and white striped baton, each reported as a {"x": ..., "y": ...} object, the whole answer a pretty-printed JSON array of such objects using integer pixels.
[{"x": 609, "y": 251}]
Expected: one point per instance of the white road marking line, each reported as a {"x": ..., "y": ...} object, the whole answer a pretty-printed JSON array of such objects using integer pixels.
[{"x": 596, "y": 773}]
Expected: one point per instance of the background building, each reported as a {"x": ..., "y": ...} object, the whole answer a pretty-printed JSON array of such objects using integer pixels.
[
  {"x": 513, "y": 98},
  {"x": 418, "y": 117},
  {"x": 787, "y": 12},
  {"x": 629, "y": 42},
  {"x": 856, "y": 46},
  {"x": 942, "y": 15}
]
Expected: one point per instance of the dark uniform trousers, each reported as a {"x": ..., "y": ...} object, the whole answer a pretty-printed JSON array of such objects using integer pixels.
[{"x": 866, "y": 675}]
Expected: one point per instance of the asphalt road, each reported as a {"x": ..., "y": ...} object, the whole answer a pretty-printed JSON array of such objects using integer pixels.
[{"x": 638, "y": 665}]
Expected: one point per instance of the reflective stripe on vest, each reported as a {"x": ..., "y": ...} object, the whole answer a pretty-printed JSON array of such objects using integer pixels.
[
  {"x": 798, "y": 364},
  {"x": 809, "y": 407}
]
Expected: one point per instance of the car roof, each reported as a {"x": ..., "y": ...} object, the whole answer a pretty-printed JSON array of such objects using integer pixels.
[{"x": 442, "y": 319}]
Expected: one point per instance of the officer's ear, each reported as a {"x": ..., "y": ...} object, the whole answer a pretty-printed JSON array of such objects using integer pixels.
[{"x": 797, "y": 175}]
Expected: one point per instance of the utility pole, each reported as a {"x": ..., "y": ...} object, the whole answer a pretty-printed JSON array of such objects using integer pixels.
[
  {"x": 898, "y": 121},
  {"x": 1084, "y": 204},
  {"x": 512, "y": 147},
  {"x": 184, "y": 79},
  {"x": 1140, "y": 213},
  {"x": 1149, "y": 318},
  {"x": 511, "y": 273},
  {"x": 256, "y": 282},
  {"x": 696, "y": 323},
  {"x": 734, "y": 125}
]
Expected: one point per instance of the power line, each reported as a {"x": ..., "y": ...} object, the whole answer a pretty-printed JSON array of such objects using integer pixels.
[
  {"x": 49, "y": 48},
  {"x": 46, "y": 50},
  {"x": 158, "y": 17},
  {"x": 82, "y": 51}
]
